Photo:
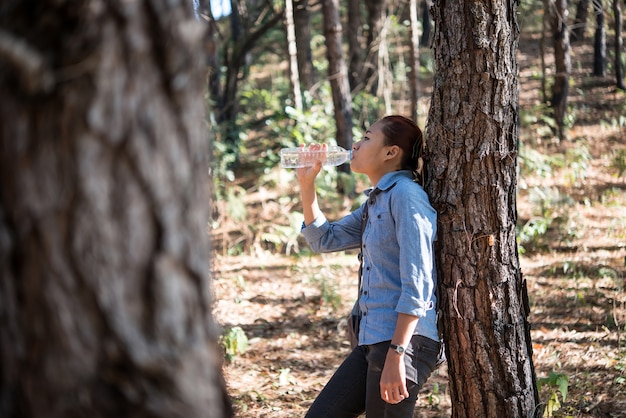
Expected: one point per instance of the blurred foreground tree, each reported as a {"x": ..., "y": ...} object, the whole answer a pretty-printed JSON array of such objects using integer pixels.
[
  {"x": 104, "y": 256},
  {"x": 472, "y": 143}
]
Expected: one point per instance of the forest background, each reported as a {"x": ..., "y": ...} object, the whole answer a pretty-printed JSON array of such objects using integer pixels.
[{"x": 281, "y": 308}]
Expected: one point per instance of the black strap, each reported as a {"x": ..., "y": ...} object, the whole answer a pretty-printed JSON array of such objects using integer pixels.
[{"x": 364, "y": 217}]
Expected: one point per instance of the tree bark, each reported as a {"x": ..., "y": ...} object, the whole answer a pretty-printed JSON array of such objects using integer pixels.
[
  {"x": 472, "y": 146},
  {"x": 355, "y": 45},
  {"x": 338, "y": 76},
  {"x": 376, "y": 16},
  {"x": 293, "y": 55},
  {"x": 303, "y": 43},
  {"x": 619, "y": 45},
  {"x": 426, "y": 23},
  {"x": 563, "y": 64},
  {"x": 580, "y": 21},
  {"x": 415, "y": 59},
  {"x": 105, "y": 306},
  {"x": 599, "y": 41}
]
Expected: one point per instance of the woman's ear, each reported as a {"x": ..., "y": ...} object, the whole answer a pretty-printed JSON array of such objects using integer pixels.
[{"x": 393, "y": 151}]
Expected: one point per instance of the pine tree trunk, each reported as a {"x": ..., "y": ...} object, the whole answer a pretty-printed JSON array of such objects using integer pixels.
[
  {"x": 619, "y": 45},
  {"x": 303, "y": 43},
  {"x": 376, "y": 16},
  {"x": 293, "y": 55},
  {"x": 580, "y": 21},
  {"x": 104, "y": 258},
  {"x": 472, "y": 143},
  {"x": 415, "y": 59},
  {"x": 562, "y": 61},
  {"x": 599, "y": 41},
  {"x": 355, "y": 46},
  {"x": 338, "y": 75}
]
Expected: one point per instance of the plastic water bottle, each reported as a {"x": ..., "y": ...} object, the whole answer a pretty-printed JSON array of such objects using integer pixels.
[{"x": 302, "y": 157}]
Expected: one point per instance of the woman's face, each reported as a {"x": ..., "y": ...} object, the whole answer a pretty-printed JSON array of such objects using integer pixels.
[{"x": 368, "y": 154}]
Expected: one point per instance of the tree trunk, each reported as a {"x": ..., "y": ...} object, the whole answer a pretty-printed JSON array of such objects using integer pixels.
[
  {"x": 105, "y": 304},
  {"x": 599, "y": 41},
  {"x": 355, "y": 45},
  {"x": 426, "y": 23},
  {"x": 545, "y": 24},
  {"x": 338, "y": 76},
  {"x": 293, "y": 55},
  {"x": 580, "y": 21},
  {"x": 562, "y": 60},
  {"x": 619, "y": 45},
  {"x": 471, "y": 155},
  {"x": 303, "y": 43},
  {"x": 376, "y": 17},
  {"x": 415, "y": 59}
]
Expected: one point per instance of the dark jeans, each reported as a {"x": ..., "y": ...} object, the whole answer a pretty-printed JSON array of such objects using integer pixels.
[{"x": 355, "y": 386}]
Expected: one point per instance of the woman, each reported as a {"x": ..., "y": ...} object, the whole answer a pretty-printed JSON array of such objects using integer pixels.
[{"x": 398, "y": 342}]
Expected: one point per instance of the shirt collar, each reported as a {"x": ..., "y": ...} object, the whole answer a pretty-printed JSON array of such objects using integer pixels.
[{"x": 389, "y": 180}]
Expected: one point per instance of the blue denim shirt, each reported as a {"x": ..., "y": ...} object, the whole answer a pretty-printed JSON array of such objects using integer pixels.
[{"x": 399, "y": 274}]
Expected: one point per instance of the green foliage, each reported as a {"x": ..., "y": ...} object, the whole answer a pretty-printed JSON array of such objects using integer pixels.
[
  {"x": 578, "y": 161},
  {"x": 556, "y": 383},
  {"x": 618, "y": 162},
  {"x": 234, "y": 342}
]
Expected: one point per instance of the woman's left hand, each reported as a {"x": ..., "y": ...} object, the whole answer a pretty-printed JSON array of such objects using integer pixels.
[{"x": 393, "y": 379}]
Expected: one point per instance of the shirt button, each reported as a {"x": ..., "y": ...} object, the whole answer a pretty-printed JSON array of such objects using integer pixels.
[
  {"x": 378, "y": 216},
  {"x": 364, "y": 313},
  {"x": 367, "y": 268},
  {"x": 365, "y": 292}
]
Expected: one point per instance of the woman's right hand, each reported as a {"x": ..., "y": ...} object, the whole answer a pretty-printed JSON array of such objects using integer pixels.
[{"x": 307, "y": 175}]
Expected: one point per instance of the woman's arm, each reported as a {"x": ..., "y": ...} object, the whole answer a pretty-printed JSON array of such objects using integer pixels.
[
  {"x": 393, "y": 379},
  {"x": 306, "y": 178}
]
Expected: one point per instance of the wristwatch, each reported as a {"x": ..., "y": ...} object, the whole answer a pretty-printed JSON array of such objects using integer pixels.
[{"x": 397, "y": 348}]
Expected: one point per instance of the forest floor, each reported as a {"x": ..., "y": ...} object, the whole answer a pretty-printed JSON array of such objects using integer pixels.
[{"x": 292, "y": 308}]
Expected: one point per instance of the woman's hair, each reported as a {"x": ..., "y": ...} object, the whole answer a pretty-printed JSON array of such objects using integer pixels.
[{"x": 403, "y": 132}]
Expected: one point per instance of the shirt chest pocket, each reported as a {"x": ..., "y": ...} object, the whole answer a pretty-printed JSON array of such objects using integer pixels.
[{"x": 381, "y": 229}]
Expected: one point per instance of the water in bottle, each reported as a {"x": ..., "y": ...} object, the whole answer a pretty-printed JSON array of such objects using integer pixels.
[{"x": 302, "y": 157}]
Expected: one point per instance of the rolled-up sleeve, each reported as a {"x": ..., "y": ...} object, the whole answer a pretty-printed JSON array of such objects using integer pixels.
[
  {"x": 416, "y": 231},
  {"x": 323, "y": 236}
]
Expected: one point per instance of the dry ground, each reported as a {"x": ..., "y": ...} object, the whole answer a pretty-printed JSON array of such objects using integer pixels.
[{"x": 292, "y": 308}]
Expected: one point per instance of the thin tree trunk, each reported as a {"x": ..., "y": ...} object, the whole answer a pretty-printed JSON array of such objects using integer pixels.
[
  {"x": 376, "y": 17},
  {"x": 426, "y": 23},
  {"x": 619, "y": 45},
  {"x": 471, "y": 161},
  {"x": 303, "y": 43},
  {"x": 415, "y": 59},
  {"x": 105, "y": 304},
  {"x": 545, "y": 24},
  {"x": 355, "y": 45},
  {"x": 562, "y": 60},
  {"x": 338, "y": 76},
  {"x": 293, "y": 55},
  {"x": 599, "y": 41},
  {"x": 580, "y": 21}
]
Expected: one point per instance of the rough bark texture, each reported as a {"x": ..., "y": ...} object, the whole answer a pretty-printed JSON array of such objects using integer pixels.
[
  {"x": 104, "y": 255},
  {"x": 472, "y": 142},
  {"x": 338, "y": 75}
]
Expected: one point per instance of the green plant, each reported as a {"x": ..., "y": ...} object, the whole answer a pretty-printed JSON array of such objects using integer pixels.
[
  {"x": 578, "y": 160},
  {"x": 556, "y": 383},
  {"x": 618, "y": 162},
  {"x": 234, "y": 342}
]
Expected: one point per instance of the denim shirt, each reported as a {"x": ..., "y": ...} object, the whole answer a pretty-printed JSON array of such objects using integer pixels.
[{"x": 399, "y": 274}]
